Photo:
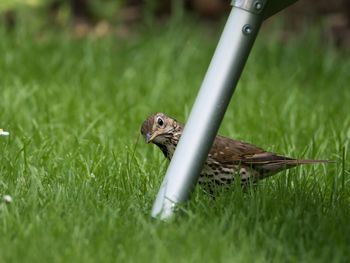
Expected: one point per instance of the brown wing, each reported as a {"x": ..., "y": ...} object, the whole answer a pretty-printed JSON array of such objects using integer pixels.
[
  {"x": 231, "y": 152},
  {"x": 226, "y": 150}
]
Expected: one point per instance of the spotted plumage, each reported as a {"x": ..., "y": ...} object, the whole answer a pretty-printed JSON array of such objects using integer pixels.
[{"x": 227, "y": 158}]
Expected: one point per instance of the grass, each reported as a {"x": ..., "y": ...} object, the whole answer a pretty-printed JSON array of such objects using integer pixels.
[{"x": 83, "y": 182}]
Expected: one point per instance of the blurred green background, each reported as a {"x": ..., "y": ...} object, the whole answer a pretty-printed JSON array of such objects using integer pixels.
[{"x": 78, "y": 78}]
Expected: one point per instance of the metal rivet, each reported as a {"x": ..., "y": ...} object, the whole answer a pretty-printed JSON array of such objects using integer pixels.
[
  {"x": 247, "y": 29},
  {"x": 258, "y": 5}
]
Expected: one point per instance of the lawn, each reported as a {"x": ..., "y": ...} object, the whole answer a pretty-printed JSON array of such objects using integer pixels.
[{"x": 83, "y": 181}]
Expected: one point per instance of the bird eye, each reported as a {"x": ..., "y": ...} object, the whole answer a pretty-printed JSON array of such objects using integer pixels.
[{"x": 160, "y": 121}]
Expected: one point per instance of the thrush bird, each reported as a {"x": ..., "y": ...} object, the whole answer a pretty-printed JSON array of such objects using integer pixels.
[{"x": 227, "y": 158}]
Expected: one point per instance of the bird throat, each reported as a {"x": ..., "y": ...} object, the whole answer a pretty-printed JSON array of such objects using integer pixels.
[
  {"x": 168, "y": 146},
  {"x": 163, "y": 148}
]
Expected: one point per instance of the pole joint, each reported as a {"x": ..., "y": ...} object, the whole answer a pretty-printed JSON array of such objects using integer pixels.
[{"x": 252, "y": 6}]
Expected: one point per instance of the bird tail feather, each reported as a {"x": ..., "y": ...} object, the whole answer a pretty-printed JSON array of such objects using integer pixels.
[
  {"x": 277, "y": 165},
  {"x": 302, "y": 161}
]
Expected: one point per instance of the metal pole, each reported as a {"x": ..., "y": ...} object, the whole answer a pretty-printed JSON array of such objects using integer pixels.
[{"x": 214, "y": 96}]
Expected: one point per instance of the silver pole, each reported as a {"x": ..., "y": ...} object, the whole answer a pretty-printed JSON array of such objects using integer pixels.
[{"x": 209, "y": 108}]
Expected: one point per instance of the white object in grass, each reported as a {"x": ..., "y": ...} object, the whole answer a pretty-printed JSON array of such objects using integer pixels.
[
  {"x": 4, "y": 133},
  {"x": 7, "y": 199}
]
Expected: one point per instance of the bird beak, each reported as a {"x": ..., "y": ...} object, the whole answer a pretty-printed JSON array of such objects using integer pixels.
[{"x": 150, "y": 137}]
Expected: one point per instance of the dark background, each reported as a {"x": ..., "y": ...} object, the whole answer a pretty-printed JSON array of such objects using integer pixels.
[{"x": 122, "y": 16}]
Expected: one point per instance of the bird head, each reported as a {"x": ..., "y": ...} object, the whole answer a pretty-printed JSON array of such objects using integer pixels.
[{"x": 159, "y": 128}]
